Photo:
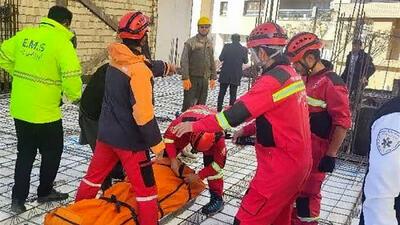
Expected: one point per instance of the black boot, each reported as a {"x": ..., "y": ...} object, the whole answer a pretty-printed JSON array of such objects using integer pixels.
[
  {"x": 53, "y": 196},
  {"x": 215, "y": 205},
  {"x": 17, "y": 206}
]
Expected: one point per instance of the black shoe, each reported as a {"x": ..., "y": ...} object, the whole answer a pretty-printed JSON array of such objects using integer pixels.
[
  {"x": 17, "y": 206},
  {"x": 53, "y": 196}
]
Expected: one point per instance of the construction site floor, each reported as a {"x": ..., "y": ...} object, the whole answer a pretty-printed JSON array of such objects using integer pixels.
[{"x": 340, "y": 195}]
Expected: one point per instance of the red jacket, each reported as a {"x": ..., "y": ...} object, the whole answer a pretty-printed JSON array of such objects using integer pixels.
[
  {"x": 277, "y": 102},
  {"x": 328, "y": 103},
  {"x": 174, "y": 145}
]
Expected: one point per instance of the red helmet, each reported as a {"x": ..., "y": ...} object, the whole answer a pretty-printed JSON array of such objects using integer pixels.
[
  {"x": 202, "y": 141},
  {"x": 133, "y": 25},
  {"x": 267, "y": 34},
  {"x": 300, "y": 44}
]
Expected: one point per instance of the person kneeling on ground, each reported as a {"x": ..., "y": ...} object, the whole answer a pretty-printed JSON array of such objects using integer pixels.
[{"x": 214, "y": 154}]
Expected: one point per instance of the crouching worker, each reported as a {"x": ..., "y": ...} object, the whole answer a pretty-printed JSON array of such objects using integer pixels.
[
  {"x": 212, "y": 145},
  {"x": 127, "y": 125}
]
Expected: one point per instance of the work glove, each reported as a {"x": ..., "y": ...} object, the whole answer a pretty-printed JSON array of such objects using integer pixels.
[
  {"x": 212, "y": 84},
  {"x": 187, "y": 85},
  {"x": 327, "y": 164}
]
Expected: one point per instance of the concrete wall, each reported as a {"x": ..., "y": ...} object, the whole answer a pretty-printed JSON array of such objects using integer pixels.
[
  {"x": 387, "y": 70},
  {"x": 207, "y": 7},
  {"x": 174, "y": 22},
  {"x": 389, "y": 9},
  {"x": 92, "y": 34},
  {"x": 233, "y": 22}
]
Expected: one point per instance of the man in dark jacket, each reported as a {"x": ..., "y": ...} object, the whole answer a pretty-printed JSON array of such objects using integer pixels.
[
  {"x": 128, "y": 129},
  {"x": 359, "y": 68},
  {"x": 90, "y": 108},
  {"x": 233, "y": 57}
]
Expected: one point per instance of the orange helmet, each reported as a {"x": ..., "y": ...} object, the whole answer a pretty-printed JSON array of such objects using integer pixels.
[
  {"x": 267, "y": 34},
  {"x": 133, "y": 25},
  {"x": 300, "y": 44},
  {"x": 202, "y": 141}
]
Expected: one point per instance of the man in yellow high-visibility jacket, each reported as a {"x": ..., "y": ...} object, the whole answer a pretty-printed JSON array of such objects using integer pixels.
[{"x": 45, "y": 69}]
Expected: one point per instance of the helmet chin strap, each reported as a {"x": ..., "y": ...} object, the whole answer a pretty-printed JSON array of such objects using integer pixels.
[{"x": 308, "y": 69}]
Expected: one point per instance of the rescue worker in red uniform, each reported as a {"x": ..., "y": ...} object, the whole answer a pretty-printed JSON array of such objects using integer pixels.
[
  {"x": 214, "y": 154},
  {"x": 127, "y": 125},
  {"x": 328, "y": 103},
  {"x": 277, "y": 102}
]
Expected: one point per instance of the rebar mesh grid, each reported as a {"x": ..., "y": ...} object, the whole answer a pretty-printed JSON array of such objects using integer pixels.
[{"x": 341, "y": 190}]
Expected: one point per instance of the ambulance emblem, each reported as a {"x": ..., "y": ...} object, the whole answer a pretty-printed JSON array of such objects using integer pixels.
[{"x": 388, "y": 140}]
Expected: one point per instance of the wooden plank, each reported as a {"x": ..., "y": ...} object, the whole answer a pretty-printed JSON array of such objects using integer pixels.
[
  {"x": 102, "y": 55},
  {"x": 97, "y": 11}
]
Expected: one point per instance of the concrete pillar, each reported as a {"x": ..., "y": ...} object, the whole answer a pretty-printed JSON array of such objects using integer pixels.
[{"x": 207, "y": 7}]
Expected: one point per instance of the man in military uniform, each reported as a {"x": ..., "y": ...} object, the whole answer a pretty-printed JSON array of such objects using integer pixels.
[{"x": 198, "y": 67}]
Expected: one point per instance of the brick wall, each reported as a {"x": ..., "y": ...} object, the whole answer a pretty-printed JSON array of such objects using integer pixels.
[{"x": 92, "y": 34}]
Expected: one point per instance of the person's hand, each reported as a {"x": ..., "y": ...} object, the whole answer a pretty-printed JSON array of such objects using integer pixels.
[
  {"x": 182, "y": 128},
  {"x": 236, "y": 135},
  {"x": 187, "y": 84},
  {"x": 212, "y": 84},
  {"x": 172, "y": 69},
  {"x": 175, "y": 164},
  {"x": 191, "y": 178},
  {"x": 158, "y": 155}
]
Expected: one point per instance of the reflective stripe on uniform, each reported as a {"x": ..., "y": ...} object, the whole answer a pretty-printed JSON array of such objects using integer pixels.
[
  {"x": 216, "y": 177},
  {"x": 70, "y": 74},
  {"x": 168, "y": 141},
  {"x": 288, "y": 91},
  {"x": 90, "y": 183},
  {"x": 308, "y": 219},
  {"x": 219, "y": 171},
  {"x": 146, "y": 199},
  {"x": 316, "y": 102},
  {"x": 4, "y": 56},
  {"x": 216, "y": 167},
  {"x": 222, "y": 121},
  {"x": 36, "y": 79}
]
